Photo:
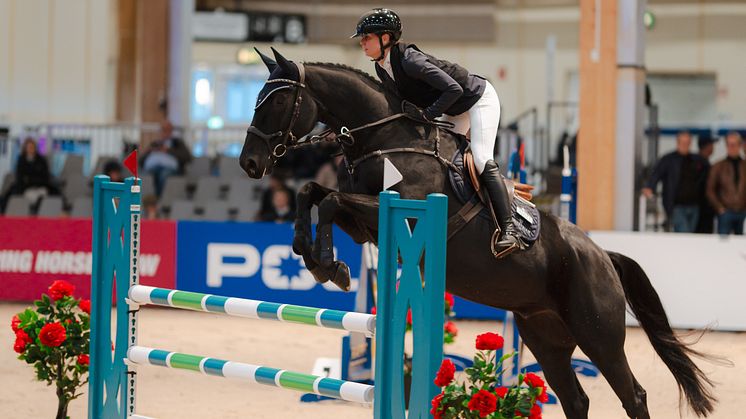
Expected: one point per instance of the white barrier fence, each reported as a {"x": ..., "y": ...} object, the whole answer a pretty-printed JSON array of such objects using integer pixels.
[{"x": 701, "y": 278}]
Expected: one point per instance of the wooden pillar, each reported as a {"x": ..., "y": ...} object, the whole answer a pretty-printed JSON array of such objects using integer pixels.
[
  {"x": 597, "y": 131},
  {"x": 142, "y": 70}
]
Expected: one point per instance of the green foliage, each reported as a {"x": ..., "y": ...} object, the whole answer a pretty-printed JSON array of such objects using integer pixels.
[{"x": 64, "y": 366}]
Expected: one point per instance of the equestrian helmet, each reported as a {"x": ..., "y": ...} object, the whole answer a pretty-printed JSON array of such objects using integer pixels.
[{"x": 379, "y": 21}]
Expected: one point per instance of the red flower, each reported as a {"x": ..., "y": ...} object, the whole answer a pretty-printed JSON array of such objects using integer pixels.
[
  {"x": 489, "y": 341},
  {"x": 543, "y": 397},
  {"x": 85, "y": 305},
  {"x": 451, "y": 328},
  {"x": 22, "y": 340},
  {"x": 83, "y": 359},
  {"x": 373, "y": 310},
  {"x": 445, "y": 373},
  {"x": 436, "y": 410},
  {"x": 409, "y": 317},
  {"x": 52, "y": 334},
  {"x": 60, "y": 289},
  {"x": 533, "y": 380},
  {"x": 449, "y": 300},
  {"x": 14, "y": 323},
  {"x": 501, "y": 392},
  {"x": 535, "y": 412},
  {"x": 484, "y": 402}
]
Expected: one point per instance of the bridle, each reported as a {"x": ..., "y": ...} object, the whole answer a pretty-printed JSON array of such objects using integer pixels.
[{"x": 288, "y": 139}]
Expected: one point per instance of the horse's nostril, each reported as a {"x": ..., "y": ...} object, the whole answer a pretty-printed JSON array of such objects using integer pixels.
[{"x": 251, "y": 168}]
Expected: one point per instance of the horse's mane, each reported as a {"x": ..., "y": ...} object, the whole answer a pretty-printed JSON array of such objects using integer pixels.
[{"x": 362, "y": 75}]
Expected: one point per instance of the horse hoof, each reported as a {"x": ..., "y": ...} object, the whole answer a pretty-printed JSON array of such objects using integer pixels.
[
  {"x": 318, "y": 275},
  {"x": 342, "y": 276}
]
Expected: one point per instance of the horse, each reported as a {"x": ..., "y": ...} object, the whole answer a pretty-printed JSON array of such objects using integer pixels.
[{"x": 565, "y": 291}]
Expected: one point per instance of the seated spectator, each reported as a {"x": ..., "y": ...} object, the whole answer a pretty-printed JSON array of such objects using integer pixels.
[
  {"x": 160, "y": 163},
  {"x": 269, "y": 208},
  {"x": 32, "y": 179},
  {"x": 150, "y": 207},
  {"x": 113, "y": 169},
  {"x": 280, "y": 210},
  {"x": 726, "y": 187},
  {"x": 682, "y": 174},
  {"x": 176, "y": 146},
  {"x": 327, "y": 174}
]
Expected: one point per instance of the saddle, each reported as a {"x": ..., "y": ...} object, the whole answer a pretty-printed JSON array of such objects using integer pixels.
[{"x": 466, "y": 186}]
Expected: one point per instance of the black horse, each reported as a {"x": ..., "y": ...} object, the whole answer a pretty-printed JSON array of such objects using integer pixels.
[{"x": 565, "y": 291}]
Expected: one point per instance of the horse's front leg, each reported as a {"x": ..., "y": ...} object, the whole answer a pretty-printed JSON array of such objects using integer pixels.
[
  {"x": 309, "y": 195},
  {"x": 352, "y": 212}
]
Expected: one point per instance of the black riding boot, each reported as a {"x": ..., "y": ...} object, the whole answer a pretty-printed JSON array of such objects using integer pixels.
[{"x": 498, "y": 193}]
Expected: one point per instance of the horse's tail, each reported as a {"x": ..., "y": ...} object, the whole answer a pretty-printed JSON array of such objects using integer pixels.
[{"x": 646, "y": 306}]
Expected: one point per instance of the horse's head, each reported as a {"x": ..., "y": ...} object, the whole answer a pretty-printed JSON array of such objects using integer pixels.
[{"x": 285, "y": 112}]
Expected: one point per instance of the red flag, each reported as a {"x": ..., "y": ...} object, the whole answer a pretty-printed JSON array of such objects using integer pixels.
[{"x": 131, "y": 162}]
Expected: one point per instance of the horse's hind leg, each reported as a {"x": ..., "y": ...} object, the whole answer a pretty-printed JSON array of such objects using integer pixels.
[
  {"x": 550, "y": 342},
  {"x": 597, "y": 324},
  {"x": 605, "y": 348}
]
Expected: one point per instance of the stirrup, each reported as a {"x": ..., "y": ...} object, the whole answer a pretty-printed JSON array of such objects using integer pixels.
[{"x": 501, "y": 253}]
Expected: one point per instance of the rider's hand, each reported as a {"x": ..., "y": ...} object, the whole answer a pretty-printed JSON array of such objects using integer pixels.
[{"x": 414, "y": 112}]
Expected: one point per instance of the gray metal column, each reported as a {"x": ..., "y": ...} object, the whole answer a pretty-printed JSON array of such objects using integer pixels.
[
  {"x": 629, "y": 110},
  {"x": 180, "y": 62}
]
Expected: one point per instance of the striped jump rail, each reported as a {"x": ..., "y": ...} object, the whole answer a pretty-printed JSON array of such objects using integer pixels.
[
  {"x": 331, "y": 387},
  {"x": 254, "y": 309}
]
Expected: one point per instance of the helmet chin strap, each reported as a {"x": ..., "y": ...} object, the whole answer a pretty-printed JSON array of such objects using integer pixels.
[{"x": 383, "y": 48}]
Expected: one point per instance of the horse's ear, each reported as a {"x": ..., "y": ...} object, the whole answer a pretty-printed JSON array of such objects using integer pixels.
[
  {"x": 282, "y": 61},
  {"x": 270, "y": 63}
]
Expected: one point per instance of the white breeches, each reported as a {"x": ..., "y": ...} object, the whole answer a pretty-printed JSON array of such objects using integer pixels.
[{"x": 483, "y": 119}]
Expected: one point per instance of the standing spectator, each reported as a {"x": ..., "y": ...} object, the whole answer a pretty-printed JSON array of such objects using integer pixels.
[
  {"x": 706, "y": 223},
  {"x": 32, "y": 180},
  {"x": 726, "y": 187},
  {"x": 682, "y": 174}
]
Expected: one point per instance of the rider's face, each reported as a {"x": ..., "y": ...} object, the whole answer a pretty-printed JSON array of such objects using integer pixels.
[{"x": 370, "y": 45}]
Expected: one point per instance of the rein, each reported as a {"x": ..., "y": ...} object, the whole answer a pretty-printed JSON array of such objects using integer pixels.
[{"x": 345, "y": 137}]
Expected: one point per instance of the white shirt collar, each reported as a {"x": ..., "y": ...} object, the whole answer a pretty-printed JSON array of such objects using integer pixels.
[{"x": 387, "y": 65}]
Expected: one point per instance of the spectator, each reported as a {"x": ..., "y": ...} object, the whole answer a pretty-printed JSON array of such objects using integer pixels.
[
  {"x": 160, "y": 163},
  {"x": 327, "y": 174},
  {"x": 176, "y": 146},
  {"x": 682, "y": 174},
  {"x": 150, "y": 207},
  {"x": 276, "y": 182},
  {"x": 726, "y": 187},
  {"x": 113, "y": 169},
  {"x": 706, "y": 223},
  {"x": 280, "y": 210},
  {"x": 32, "y": 180}
]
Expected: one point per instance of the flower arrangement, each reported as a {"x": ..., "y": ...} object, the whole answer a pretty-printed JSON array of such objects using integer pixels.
[
  {"x": 480, "y": 396},
  {"x": 54, "y": 338}
]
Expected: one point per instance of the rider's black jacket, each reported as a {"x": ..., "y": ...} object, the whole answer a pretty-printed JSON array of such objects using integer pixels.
[{"x": 436, "y": 85}]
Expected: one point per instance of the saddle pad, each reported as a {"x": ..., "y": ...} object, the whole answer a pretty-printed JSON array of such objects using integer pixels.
[{"x": 526, "y": 217}]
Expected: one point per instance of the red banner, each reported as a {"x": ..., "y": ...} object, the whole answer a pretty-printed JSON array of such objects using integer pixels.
[{"x": 36, "y": 251}]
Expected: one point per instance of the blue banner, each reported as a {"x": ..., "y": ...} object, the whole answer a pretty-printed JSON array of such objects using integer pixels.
[{"x": 256, "y": 261}]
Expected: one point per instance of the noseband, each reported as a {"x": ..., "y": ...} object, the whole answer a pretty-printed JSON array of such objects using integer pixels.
[{"x": 288, "y": 139}]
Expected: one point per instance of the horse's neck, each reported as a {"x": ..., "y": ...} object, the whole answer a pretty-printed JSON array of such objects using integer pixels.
[{"x": 348, "y": 101}]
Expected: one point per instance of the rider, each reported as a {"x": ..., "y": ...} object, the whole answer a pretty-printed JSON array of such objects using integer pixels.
[{"x": 446, "y": 91}]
